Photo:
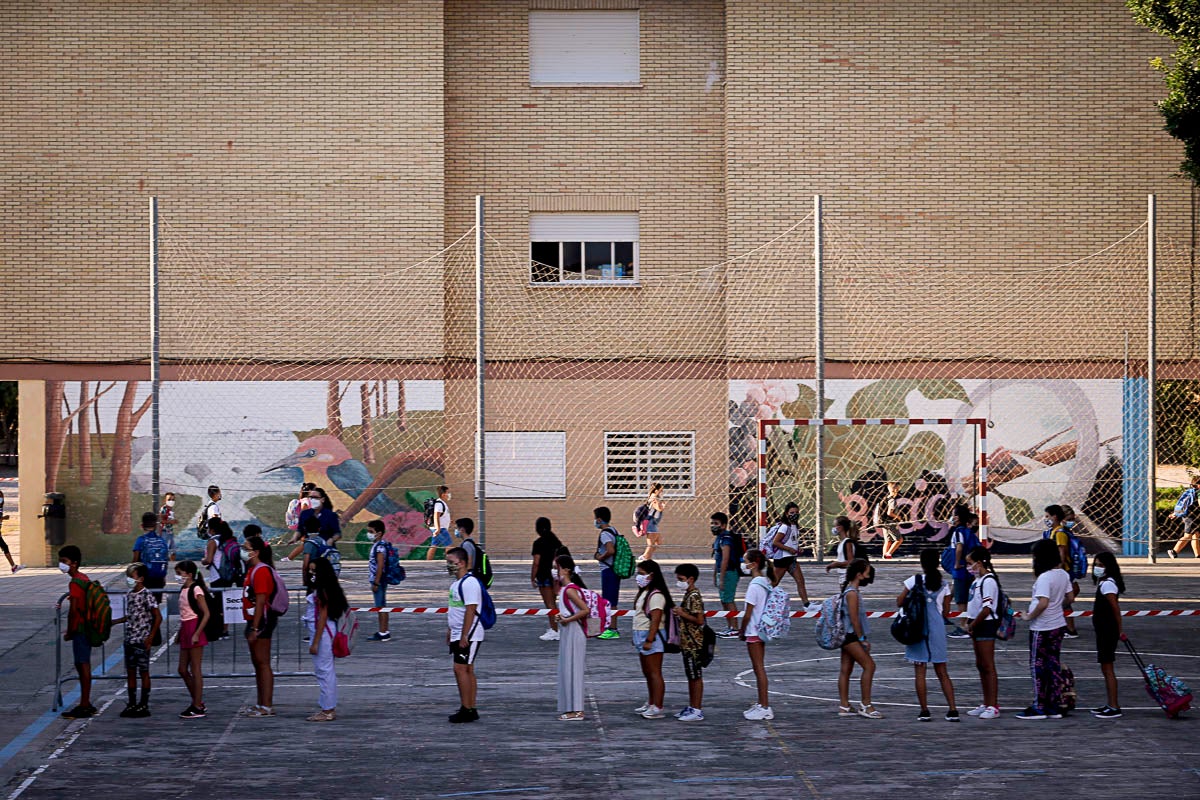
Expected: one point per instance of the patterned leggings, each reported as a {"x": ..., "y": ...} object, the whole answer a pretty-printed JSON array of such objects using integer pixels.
[{"x": 1045, "y": 665}]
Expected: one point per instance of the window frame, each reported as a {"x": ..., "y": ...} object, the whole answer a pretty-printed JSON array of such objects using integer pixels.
[
  {"x": 643, "y": 474},
  {"x": 633, "y": 280}
]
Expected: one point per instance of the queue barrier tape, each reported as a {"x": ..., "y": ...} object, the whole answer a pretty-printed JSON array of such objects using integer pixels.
[{"x": 545, "y": 612}]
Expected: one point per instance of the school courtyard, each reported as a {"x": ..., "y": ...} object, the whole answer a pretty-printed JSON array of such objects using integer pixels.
[{"x": 392, "y": 740}]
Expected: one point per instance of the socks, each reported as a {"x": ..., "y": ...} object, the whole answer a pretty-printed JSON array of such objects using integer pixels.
[
  {"x": 132, "y": 697},
  {"x": 145, "y": 697}
]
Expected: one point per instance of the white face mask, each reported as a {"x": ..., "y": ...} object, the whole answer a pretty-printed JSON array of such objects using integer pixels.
[
  {"x": 130, "y": 582},
  {"x": 642, "y": 580},
  {"x": 64, "y": 567},
  {"x": 746, "y": 570},
  {"x": 180, "y": 579},
  {"x": 314, "y": 503},
  {"x": 1098, "y": 572},
  {"x": 170, "y": 504},
  {"x": 681, "y": 585},
  {"x": 247, "y": 554}
]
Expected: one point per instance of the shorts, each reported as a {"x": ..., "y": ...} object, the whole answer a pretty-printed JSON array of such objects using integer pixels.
[
  {"x": 639, "y": 639},
  {"x": 1106, "y": 648},
  {"x": 729, "y": 587},
  {"x": 442, "y": 539},
  {"x": 610, "y": 586},
  {"x": 3, "y": 546},
  {"x": 1189, "y": 525},
  {"x": 544, "y": 582},
  {"x": 691, "y": 666},
  {"x": 467, "y": 656},
  {"x": 137, "y": 657},
  {"x": 81, "y": 648},
  {"x": 985, "y": 631},
  {"x": 270, "y": 620},
  {"x": 753, "y": 640},
  {"x": 962, "y": 590},
  {"x": 889, "y": 535},
  {"x": 379, "y": 595},
  {"x": 651, "y": 526},
  {"x": 851, "y": 638},
  {"x": 186, "y": 630},
  {"x": 784, "y": 564}
]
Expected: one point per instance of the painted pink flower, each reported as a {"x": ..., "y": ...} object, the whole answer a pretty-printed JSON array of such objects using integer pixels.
[{"x": 406, "y": 530}]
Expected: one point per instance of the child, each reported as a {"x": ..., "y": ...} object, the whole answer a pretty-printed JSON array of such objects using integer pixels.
[
  {"x": 1046, "y": 629},
  {"x": 963, "y": 540},
  {"x": 888, "y": 519},
  {"x": 652, "y": 602},
  {"x": 848, "y": 548},
  {"x": 464, "y": 633},
  {"x": 141, "y": 619},
  {"x": 463, "y": 528},
  {"x": 933, "y": 649},
  {"x": 754, "y": 564},
  {"x": 982, "y": 624},
  {"x": 784, "y": 547},
  {"x": 1106, "y": 619},
  {"x": 727, "y": 571},
  {"x": 4, "y": 545},
  {"x": 151, "y": 549},
  {"x": 193, "y": 618},
  {"x": 572, "y": 640},
  {"x": 69, "y": 559},
  {"x": 690, "y": 613},
  {"x": 326, "y": 605},
  {"x": 856, "y": 649},
  {"x": 1187, "y": 511},
  {"x": 166, "y": 521},
  {"x": 439, "y": 531},
  {"x": 377, "y": 574}
]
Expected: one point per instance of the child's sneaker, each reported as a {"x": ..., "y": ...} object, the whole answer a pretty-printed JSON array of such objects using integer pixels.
[
  {"x": 549, "y": 636},
  {"x": 18, "y": 567},
  {"x": 681, "y": 712},
  {"x": 642, "y": 708},
  {"x": 80, "y": 712},
  {"x": 129, "y": 711},
  {"x": 1108, "y": 712},
  {"x": 924, "y": 715},
  {"x": 141, "y": 710},
  {"x": 692, "y": 715},
  {"x": 653, "y": 712},
  {"x": 381, "y": 637},
  {"x": 191, "y": 712},
  {"x": 952, "y": 715},
  {"x": 757, "y": 713},
  {"x": 991, "y": 712},
  {"x": 958, "y": 633},
  {"x": 977, "y": 711},
  {"x": 611, "y": 633},
  {"x": 1033, "y": 712},
  {"x": 729, "y": 633}
]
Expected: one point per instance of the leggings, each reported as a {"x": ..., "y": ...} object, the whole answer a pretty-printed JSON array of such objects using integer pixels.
[{"x": 1045, "y": 666}]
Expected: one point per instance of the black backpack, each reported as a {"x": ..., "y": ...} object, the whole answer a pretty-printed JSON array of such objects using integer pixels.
[
  {"x": 202, "y": 525},
  {"x": 911, "y": 626},
  {"x": 427, "y": 508},
  {"x": 215, "y": 628}
]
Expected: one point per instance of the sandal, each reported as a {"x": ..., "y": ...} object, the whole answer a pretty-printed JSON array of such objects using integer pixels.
[
  {"x": 872, "y": 714},
  {"x": 571, "y": 717},
  {"x": 323, "y": 716},
  {"x": 846, "y": 711}
]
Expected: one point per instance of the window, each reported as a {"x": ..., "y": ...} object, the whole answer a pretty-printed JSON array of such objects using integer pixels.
[
  {"x": 526, "y": 464},
  {"x": 633, "y": 461},
  {"x": 572, "y": 48},
  {"x": 583, "y": 248}
]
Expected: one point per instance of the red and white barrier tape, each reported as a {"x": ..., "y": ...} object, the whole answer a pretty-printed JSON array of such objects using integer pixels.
[{"x": 545, "y": 612}]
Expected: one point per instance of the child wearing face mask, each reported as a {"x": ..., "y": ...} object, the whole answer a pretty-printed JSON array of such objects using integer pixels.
[
  {"x": 572, "y": 640},
  {"x": 166, "y": 521},
  {"x": 1106, "y": 619},
  {"x": 690, "y": 613},
  {"x": 652, "y": 603},
  {"x": 193, "y": 618},
  {"x": 754, "y": 564},
  {"x": 69, "y": 559},
  {"x": 141, "y": 619},
  {"x": 983, "y": 600}
]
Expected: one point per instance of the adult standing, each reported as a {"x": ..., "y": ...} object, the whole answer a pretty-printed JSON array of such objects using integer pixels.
[
  {"x": 572, "y": 641},
  {"x": 546, "y": 548},
  {"x": 262, "y": 584},
  {"x": 654, "y": 499},
  {"x": 1046, "y": 628}
]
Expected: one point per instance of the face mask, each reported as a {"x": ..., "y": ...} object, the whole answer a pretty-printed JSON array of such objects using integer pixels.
[
  {"x": 716, "y": 529},
  {"x": 681, "y": 585},
  {"x": 459, "y": 533},
  {"x": 180, "y": 579},
  {"x": 1069, "y": 524},
  {"x": 1047, "y": 523},
  {"x": 642, "y": 581},
  {"x": 746, "y": 569},
  {"x": 452, "y": 569},
  {"x": 314, "y": 503},
  {"x": 130, "y": 582},
  {"x": 170, "y": 504},
  {"x": 247, "y": 554},
  {"x": 599, "y": 524},
  {"x": 793, "y": 516},
  {"x": 1098, "y": 572},
  {"x": 64, "y": 567}
]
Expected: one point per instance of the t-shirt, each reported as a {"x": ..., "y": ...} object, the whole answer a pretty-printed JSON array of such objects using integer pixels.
[
  {"x": 373, "y": 560},
  {"x": 607, "y": 535},
  {"x": 1107, "y": 586},
  {"x": 756, "y": 595},
  {"x": 1103, "y": 619},
  {"x": 935, "y": 599},
  {"x": 166, "y": 515},
  {"x": 211, "y": 511},
  {"x": 259, "y": 580},
  {"x": 722, "y": 539},
  {"x": 441, "y": 516},
  {"x": 546, "y": 548},
  {"x": 152, "y": 550},
  {"x": 691, "y": 635},
  {"x": 139, "y": 616},
  {"x": 472, "y": 551},
  {"x": 843, "y": 549},
  {"x": 77, "y": 597},
  {"x": 791, "y": 538},
  {"x": 1054, "y": 585},
  {"x": 185, "y": 606},
  {"x": 984, "y": 598},
  {"x": 957, "y": 537},
  {"x": 464, "y": 592},
  {"x": 641, "y": 617}
]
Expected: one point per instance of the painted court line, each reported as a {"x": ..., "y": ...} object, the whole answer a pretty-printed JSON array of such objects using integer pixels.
[
  {"x": 498, "y": 791},
  {"x": 736, "y": 779},
  {"x": 984, "y": 772}
]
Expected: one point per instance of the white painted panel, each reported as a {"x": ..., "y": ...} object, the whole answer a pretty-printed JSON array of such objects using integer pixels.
[
  {"x": 583, "y": 227},
  {"x": 584, "y": 47},
  {"x": 526, "y": 464}
]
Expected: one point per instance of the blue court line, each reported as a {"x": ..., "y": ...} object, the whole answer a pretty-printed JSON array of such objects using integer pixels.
[
  {"x": 497, "y": 791},
  {"x": 984, "y": 772},
  {"x": 735, "y": 779},
  {"x": 22, "y": 739}
]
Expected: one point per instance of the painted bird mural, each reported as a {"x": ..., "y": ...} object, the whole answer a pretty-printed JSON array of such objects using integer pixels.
[{"x": 327, "y": 462}]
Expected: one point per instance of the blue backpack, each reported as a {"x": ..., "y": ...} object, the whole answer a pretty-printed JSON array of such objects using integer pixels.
[
  {"x": 154, "y": 555},
  {"x": 950, "y": 557},
  {"x": 1186, "y": 502},
  {"x": 487, "y": 608},
  {"x": 1077, "y": 568},
  {"x": 393, "y": 570}
]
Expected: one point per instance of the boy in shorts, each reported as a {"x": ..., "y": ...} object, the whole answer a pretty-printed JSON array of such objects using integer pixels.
[
  {"x": 726, "y": 571},
  {"x": 69, "y": 559},
  {"x": 141, "y": 619},
  {"x": 690, "y": 613},
  {"x": 464, "y": 633}
]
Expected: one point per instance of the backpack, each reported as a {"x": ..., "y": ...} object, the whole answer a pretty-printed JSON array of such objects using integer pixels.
[
  {"x": 668, "y": 630},
  {"x": 202, "y": 525},
  {"x": 623, "y": 563},
  {"x": 912, "y": 626},
  {"x": 1079, "y": 559},
  {"x": 216, "y": 619},
  {"x": 231, "y": 569},
  {"x": 154, "y": 555},
  {"x": 347, "y": 629},
  {"x": 95, "y": 617},
  {"x": 279, "y": 595},
  {"x": 950, "y": 557},
  {"x": 291, "y": 517},
  {"x": 1005, "y": 615},
  {"x": 393, "y": 570},
  {"x": 487, "y": 609},
  {"x": 708, "y": 647},
  {"x": 831, "y": 625},
  {"x": 331, "y": 554},
  {"x": 596, "y": 621},
  {"x": 767, "y": 545},
  {"x": 482, "y": 568},
  {"x": 1186, "y": 502},
  {"x": 776, "y": 619},
  {"x": 737, "y": 547},
  {"x": 640, "y": 515},
  {"x": 427, "y": 508}
]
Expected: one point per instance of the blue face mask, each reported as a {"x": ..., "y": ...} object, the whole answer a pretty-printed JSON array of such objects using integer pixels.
[
  {"x": 1069, "y": 524},
  {"x": 599, "y": 524}
]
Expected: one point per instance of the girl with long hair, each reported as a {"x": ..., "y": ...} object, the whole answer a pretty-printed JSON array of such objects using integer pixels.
[
  {"x": 654, "y": 499},
  {"x": 326, "y": 604},
  {"x": 572, "y": 642},
  {"x": 856, "y": 649},
  {"x": 755, "y": 564},
  {"x": 983, "y": 621},
  {"x": 546, "y": 547},
  {"x": 193, "y": 617},
  {"x": 933, "y": 650},
  {"x": 1106, "y": 620},
  {"x": 651, "y": 606}
]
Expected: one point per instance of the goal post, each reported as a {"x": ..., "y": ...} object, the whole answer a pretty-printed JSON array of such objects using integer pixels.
[{"x": 980, "y": 483}]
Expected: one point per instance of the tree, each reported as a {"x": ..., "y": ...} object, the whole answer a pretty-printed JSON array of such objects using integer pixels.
[
  {"x": 1179, "y": 21},
  {"x": 8, "y": 416},
  {"x": 116, "y": 519}
]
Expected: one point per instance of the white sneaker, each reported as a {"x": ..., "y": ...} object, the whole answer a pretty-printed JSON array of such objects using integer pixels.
[
  {"x": 977, "y": 711},
  {"x": 642, "y": 709},
  {"x": 757, "y": 712},
  {"x": 653, "y": 712},
  {"x": 692, "y": 715},
  {"x": 549, "y": 636},
  {"x": 991, "y": 712},
  {"x": 681, "y": 712}
]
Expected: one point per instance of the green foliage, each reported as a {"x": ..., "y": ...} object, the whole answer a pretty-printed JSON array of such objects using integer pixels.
[
  {"x": 8, "y": 416},
  {"x": 1178, "y": 20},
  {"x": 1165, "y": 498},
  {"x": 1177, "y": 422}
]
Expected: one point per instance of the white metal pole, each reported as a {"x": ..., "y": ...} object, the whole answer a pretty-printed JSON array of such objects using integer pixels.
[
  {"x": 1151, "y": 359},
  {"x": 155, "y": 441},
  {"x": 480, "y": 463},
  {"x": 819, "y": 374}
]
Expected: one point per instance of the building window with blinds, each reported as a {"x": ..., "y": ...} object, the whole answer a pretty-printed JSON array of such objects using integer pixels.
[
  {"x": 583, "y": 248},
  {"x": 584, "y": 48},
  {"x": 634, "y": 460}
]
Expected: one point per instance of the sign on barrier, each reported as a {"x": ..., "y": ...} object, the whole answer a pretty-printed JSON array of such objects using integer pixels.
[{"x": 232, "y": 605}]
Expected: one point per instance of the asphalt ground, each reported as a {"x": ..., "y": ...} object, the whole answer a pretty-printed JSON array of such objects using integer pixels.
[{"x": 392, "y": 739}]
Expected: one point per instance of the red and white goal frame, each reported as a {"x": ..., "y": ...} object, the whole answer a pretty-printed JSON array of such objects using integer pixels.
[{"x": 981, "y": 483}]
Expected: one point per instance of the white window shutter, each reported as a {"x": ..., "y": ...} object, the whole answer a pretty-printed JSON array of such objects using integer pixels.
[
  {"x": 583, "y": 227},
  {"x": 581, "y": 47},
  {"x": 526, "y": 464}
]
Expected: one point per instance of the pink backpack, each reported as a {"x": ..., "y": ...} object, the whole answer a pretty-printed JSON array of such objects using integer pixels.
[
  {"x": 596, "y": 621},
  {"x": 278, "y": 602}
]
